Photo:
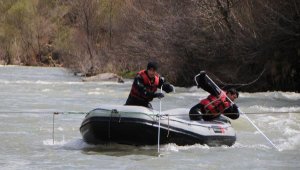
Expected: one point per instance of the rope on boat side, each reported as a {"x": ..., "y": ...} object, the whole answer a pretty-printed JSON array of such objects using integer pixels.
[
  {"x": 252, "y": 113},
  {"x": 83, "y": 113},
  {"x": 43, "y": 112}
]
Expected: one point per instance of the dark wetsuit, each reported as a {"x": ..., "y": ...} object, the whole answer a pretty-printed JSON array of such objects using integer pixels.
[
  {"x": 197, "y": 112},
  {"x": 147, "y": 96}
]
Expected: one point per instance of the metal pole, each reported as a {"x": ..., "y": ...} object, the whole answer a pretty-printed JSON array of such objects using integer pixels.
[
  {"x": 158, "y": 137},
  {"x": 54, "y": 113},
  {"x": 53, "y": 128}
]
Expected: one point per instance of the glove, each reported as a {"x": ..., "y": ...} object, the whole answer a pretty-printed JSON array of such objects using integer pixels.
[
  {"x": 235, "y": 108},
  {"x": 167, "y": 87},
  {"x": 159, "y": 95}
]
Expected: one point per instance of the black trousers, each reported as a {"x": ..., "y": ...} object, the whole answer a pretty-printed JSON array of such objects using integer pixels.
[
  {"x": 197, "y": 113},
  {"x": 133, "y": 101}
]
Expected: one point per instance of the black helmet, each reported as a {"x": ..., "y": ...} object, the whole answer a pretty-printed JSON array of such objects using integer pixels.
[
  {"x": 152, "y": 64},
  {"x": 233, "y": 91}
]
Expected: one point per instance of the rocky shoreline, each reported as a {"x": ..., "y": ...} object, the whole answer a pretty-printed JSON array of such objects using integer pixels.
[{"x": 103, "y": 77}]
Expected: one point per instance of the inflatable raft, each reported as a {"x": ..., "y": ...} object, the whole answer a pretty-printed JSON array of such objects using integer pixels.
[{"x": 136, "y": 125}]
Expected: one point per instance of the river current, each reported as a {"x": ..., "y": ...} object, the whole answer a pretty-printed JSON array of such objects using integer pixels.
[{"x": 30, "y": 95}]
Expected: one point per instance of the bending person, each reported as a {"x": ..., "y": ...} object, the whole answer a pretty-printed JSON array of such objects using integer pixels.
[
  {"x": 213, "y": 106},
  {"x": 145, "y": 85}
]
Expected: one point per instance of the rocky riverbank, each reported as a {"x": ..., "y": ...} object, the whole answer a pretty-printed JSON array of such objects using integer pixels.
[{"x": 236, "y": 42}]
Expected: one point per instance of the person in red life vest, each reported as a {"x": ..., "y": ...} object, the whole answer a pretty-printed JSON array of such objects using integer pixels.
[
  {"x": 145, "y": 85},
  {"x": 213, "y": 106}
]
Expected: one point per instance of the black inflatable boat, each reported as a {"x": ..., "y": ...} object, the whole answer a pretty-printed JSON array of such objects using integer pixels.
[{"x": 135, "y": 125}]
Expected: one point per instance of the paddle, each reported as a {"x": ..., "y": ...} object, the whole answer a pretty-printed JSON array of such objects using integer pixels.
[{"x": 208, "y": 85}]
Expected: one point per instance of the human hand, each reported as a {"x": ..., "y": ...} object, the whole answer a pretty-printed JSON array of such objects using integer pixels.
[
  {"x": 235, "y": 108},
  {"x": 159, "y": 95},
  {"x": 167, "y": 87}
]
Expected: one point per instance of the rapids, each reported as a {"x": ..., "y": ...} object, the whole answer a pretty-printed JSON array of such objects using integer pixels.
[{"x": 30, "y": 95}]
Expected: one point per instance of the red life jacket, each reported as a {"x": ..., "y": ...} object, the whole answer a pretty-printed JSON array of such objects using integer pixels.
[
  {"x": 215, "y": 105},
  {"x": 150, "y": 86}
]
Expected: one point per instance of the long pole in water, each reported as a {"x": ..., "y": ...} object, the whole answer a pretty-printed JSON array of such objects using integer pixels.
[
  {"x": 248, "y": 118},
  {"x": 54, "y": 113},
  {"x": 158, "y": 134},
  {"x": 158, "y": 137},
  {"x": 53, "y": 128}
]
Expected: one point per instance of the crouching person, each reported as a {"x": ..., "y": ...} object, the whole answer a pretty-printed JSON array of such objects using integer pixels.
[{"x": 213, "y": 106}]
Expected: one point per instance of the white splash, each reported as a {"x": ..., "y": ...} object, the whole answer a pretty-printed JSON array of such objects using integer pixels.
[
  {"x": 60, "y": 129},
  {"x": 50, "y": 142},
  {"x": 290, "y": 143},
  {"x": 39, "y": 82},
  {"x": 272, "y": 95},
  {"x": 251, "y": 146},
  {"x": 274, "y": 109},
  {"x": 176, "y": 148},
  {"x": 95, "y": 93},
  {"x": 45, "y": 90},
  {"x": 77, "y": 144},
  {"x": 286, "y": 127}
]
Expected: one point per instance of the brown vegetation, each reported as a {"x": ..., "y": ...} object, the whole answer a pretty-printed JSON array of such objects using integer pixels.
[{"x": 233, "y": 40}]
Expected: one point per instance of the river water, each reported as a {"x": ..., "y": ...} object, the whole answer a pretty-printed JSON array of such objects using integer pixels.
[{"x": 29, "y": 96}]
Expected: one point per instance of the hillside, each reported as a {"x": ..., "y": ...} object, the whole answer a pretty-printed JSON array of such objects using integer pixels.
[{"x": 235, "y": 41}]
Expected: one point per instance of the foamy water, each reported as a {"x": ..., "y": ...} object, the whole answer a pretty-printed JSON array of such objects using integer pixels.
[{"x": 29, "y": 96}]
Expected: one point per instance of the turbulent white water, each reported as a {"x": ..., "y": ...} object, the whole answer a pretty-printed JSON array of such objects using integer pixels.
[{"x": 29, "y": 95}]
